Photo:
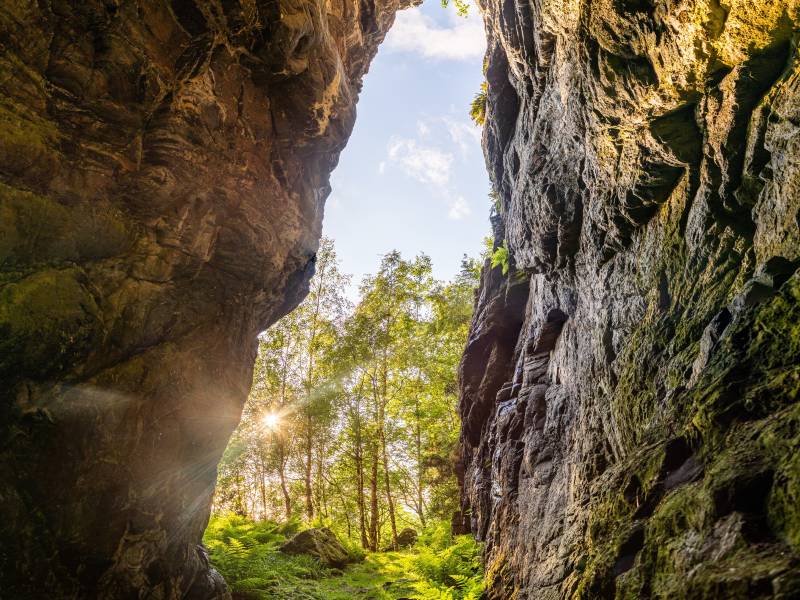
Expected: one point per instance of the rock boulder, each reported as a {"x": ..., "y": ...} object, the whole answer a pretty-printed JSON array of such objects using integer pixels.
[{"x": 321, "y": 543}]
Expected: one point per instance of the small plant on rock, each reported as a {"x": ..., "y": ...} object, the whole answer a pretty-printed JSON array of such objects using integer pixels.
[
  {"x": 501, "y": 257},
  {"x": 477, "y": 110}
]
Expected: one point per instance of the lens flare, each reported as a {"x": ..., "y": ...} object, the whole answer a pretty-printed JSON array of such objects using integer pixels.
[{"x": 271, "y": 420}]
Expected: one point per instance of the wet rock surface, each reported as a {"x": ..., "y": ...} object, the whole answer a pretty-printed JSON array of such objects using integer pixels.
[
  {"x": 163, "y": 170},
  {"x": 629, "y": 393}
]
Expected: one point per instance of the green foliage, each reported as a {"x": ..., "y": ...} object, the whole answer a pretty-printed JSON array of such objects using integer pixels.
[
  {"x": 246, "y": 554},
  {"x": 449, "y": 567},
  {"x": 477, "y": 109},
  {"x": 366, "y": 397},
  {"x": 439, "y": 567},
  {"x": 500, "y": 257},
  {"x": 462, "y": 7}
]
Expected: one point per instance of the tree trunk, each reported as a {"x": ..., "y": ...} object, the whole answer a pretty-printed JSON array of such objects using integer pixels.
[
  {"x": 308, "y": 386},
  {"x": 281, "y": 441},
  {"x": 420, "y": 473},
  {"x": 308, "y": 468},
  {"x": 287, "y": 499},
  {"x": 382, "y": 439},
  {"x": 262, "y": 476},
  {"x": 388, "y": 485},
  {"x": 358, "y": 455},
  {"x": 362, "y": 521},
  {"x": 373, "y": 503},
  {"x": 322, "y": 496}
]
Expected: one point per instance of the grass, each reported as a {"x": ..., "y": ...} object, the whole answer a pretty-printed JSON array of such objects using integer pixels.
[{"x": 439, "y": 567}]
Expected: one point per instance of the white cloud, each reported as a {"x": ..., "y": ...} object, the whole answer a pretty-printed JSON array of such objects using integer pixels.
[
  {"x": 432, "y": 158},
  {"x": 423, "y": 163},
  {"x": 417, "y": 33},
  {"x": 459, "y": 209},
  {"x": 464, "y": 135}
]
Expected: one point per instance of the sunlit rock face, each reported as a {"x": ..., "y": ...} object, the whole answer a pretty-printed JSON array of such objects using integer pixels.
[
  {"x": 163, "y": 169},
  {"x": 630, "y": 396}
]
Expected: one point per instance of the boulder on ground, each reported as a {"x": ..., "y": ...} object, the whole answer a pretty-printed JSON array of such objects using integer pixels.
[
  {"x": 321, "y": 543},
  {"x": 406, "y": 538}
]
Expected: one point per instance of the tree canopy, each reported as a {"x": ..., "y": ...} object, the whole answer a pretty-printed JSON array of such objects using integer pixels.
[{"x": 352, "y": 417}]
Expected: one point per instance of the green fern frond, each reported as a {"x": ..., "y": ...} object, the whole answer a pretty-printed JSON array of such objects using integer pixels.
[
  {"x": 477, "y": 109},
  {"x": 501, "y": 257}
]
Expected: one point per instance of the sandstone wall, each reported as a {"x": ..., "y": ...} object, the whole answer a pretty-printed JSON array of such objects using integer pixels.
[
  {"x": 163, "y": 170},
  {"x": 630, "y": 392}
]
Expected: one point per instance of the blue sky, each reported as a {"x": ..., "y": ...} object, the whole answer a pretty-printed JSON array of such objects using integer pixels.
[{"x": 412, "y": 176}]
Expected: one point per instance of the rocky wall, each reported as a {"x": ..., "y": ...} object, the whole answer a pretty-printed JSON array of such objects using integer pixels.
[
  {"x": 630, "y": 390},
  {"x": 163, "y": 170}
]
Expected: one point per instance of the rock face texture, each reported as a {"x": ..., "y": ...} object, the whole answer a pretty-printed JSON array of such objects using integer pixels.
[
  {"x": 163, "y": 168},
  {"x": 631, "y": 391}
]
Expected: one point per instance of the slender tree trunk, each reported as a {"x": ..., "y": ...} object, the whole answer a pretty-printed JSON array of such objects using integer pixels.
[
  {"x": 263, "y": 485},
  {"x": 373, "y": 503},
  {"x": 308, "y": 385},
  {"x": 420, "y": 470},
  {"x": 307, "y": 475},
  {"x": 346, "y": 516},
  {"x": 382, "y": 439},
  {"x": 322, "y": 495},
  {"x": 281, "y": 440},
  {"x": 358, "y": 455},
  {"x": 362, "y": 522},
  {"x": 287, "y": 499},
  {"x": 388, "y": 486}
]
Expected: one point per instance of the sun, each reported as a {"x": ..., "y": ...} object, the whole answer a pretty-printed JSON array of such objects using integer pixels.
[{"x": 271, "y": 420}]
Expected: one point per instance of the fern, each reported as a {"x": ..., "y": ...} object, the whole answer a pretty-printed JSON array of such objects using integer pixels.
[
  {"x": 500, "y": 257},
  {"x": 477, "y": 109},
  {"x": 450, "y": 567},
  {"x": 440, "y": 567}
]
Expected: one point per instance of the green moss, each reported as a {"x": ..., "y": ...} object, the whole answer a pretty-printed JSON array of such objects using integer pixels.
[
  {"x": 27, "y": 142},
  {"x": 743, "y": 419},
  {"x": 37, "y": 229},
  {"x": 782, "y": 439},
  {"x": 45, "y": 321}
]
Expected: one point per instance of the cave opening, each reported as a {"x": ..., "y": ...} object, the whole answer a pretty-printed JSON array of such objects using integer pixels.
[{"x": 345, "y": 446}]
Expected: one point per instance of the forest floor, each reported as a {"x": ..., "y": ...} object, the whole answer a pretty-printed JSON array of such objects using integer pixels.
[
  {"x": 381, "y": 576},
  {"x": 247, "y": 554}
]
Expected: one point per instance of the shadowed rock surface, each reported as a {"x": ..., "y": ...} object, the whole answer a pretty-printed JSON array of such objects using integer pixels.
[
  {"x": 163, "y": 169},
  {"x": 630, "y": 392}
]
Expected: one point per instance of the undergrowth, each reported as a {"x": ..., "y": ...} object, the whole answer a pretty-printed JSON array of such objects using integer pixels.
[{"x": 438, "y": 567}]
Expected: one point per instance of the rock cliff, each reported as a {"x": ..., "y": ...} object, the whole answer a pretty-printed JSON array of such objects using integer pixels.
[
  {"x": 630, "y": 392},
  {"x": 163, "y": 169}
]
